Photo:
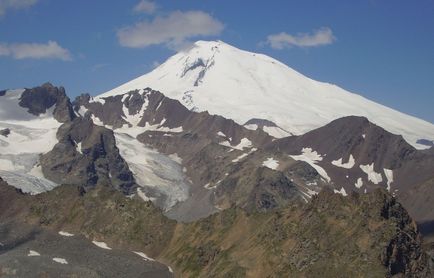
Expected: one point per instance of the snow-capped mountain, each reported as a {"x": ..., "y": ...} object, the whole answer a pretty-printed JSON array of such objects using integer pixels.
[
  {"x": 43, "y": 144},
  {"x": 23, "y": 138},
  {"x": 242, "y": 86}
]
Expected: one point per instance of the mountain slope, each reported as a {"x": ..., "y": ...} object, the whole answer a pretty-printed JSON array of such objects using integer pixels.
[
  {"x": 358, "y": 155},
  {"x": 242, "y": 86}
]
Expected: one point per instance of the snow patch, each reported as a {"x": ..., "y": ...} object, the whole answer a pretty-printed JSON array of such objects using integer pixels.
[
  {"x": 342, "y": 192},
  {"x": 78, "y": 147},
  {"x": 60, "y": 260},
  {"x": 209, "y": 186},
  {"x": 312, "y": 157},
  {"x": 347, "y": 165},
  {"x": 62, "y": 233},
  {"x": 135, "y": 118},
  {"x": 373, "y": 176},
  {"x": 271, "y": 163},
  {"x": 276, "y": 131},
  {"x": 97, "y": 99},
  {"x": 82, "y": 110},
  {"x": 221, "y": 134},
  {"x": 125, "y": 97},
  {"x": 244, "y": 143},
  {"x": 101, "y": 244},
  {"x": 33, "y": 253},
  {"x": 144, "y": 256},
  {"x": 96, "y": 120},
  {"x": 159, "y": 105},
  {"x": 307, "y": 191},
  {"x": 389, "y": 176},
  {"x": 359, "y": 183},
  {"x": 251, "y": 126},
  {"x": 156, "y": 127},
  {"x": 240, "y": 157}
]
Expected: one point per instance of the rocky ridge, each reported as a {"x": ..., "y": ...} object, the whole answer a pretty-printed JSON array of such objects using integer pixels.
[{"x": 357, "y": 235}]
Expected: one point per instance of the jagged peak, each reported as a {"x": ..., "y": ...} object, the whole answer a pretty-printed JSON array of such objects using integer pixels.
[{"x": 47, "y": 85}]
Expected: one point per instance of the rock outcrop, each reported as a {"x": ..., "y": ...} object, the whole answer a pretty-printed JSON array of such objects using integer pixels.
[
  {"x": 39, "y": 99},
  {"x": 87, "y": 155}
]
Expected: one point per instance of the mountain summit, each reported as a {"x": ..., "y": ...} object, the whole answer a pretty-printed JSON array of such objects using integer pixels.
[{"x": 241, "y": 85}]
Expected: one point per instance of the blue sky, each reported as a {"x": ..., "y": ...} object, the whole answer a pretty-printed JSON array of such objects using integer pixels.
[{"x": 381, "y": 49}]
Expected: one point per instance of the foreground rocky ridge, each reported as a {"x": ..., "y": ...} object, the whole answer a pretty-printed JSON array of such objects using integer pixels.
[{"x": 359, "y": 235}]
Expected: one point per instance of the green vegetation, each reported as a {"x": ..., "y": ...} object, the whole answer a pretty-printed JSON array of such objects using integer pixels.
[{"x": 332, "y": 236}]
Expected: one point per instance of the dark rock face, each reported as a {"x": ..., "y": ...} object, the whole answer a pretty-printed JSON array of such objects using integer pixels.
[
  {"x": 87, "y": 155},
  {"x": 370, "y": 144},
  {"x": 110, "y": 112},
  {"x": 425, "y": 142},
  {"x": 2, "y": 93},
  {"x": 260, "y": 122},
  {"x": 39, "y": 99},
  {"x": 5, "y": 132},
  {"x": 402, "y": 252}
]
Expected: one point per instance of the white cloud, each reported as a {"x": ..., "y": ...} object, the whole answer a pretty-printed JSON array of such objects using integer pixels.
[
  {"x": 174, "y": 30},
  {"x": 146, "y": 7},
  {"x": 15, "y": 4},
  {"x": 322, "y": 36},
  {"x": 50, "y": 50}
]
